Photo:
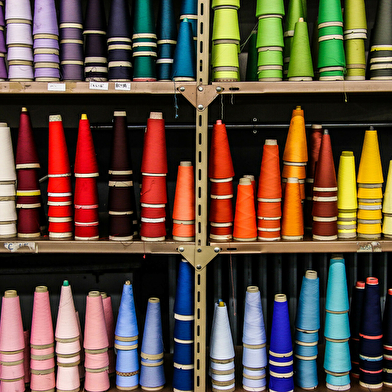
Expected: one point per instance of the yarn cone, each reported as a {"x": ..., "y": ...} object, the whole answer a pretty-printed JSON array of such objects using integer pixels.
[
  {"x": 251, "y": 65},
  {"x": 387, "y": 202},
  {"x": 347, "y": 191},
  {"x": 109, "y": 322}
]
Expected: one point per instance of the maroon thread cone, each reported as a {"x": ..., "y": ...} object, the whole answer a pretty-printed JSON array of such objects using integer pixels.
[
  {"x": 28, "y": 222},
  {"x": 26, "y": 150},
  {"x": 119, "y": 160}
]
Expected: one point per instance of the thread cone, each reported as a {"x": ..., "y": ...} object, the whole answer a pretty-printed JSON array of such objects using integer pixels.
[
  {"x": 347, "y": 190},
  {"x": 296, "y": 148}
]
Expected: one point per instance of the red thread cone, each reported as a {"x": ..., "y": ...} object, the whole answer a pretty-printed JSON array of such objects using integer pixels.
[
  {"x": 85, "y": 161},
  {"x": 153, "y": 190},
  {"x": 86, "y": 192},
  {"x": 57, "y": 153},
  {"x": 26, "y": 150},
  {"x": 220, "y": 162},
  {"x": 316, "y": 135}
]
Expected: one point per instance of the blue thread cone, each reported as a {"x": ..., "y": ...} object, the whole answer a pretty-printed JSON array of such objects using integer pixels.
[
  {"x": 184, "y": 67},
  {"x": 183, "y": 330},
  {"x": 338, "y": 380},
  {"x": 306, "y": 374},
  {"x": 184, "y": 301},
  {"x": 127, "y": 362},
  {"x": 281, "y": 384},
  {"x": 371, "y": 312},
  {"x": 306, "y": 337},
  {"x": 308, "y": 312},
  {"x": 337, "y": 294},
  {"x": 337, "y": 357},
  {"x": 126, "y": 326},
  {"x": 119, "y": 24},
  {"x": 305, "y": 351},
  {"x": 336, "y": 326}
]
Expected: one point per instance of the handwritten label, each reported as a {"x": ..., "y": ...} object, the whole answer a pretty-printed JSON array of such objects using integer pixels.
[
  {"x": 122, "y": 86},
  {"x": 99, "y": 86},
  {"x": 15, "y": 246},
  {"x": 369, "y": 247},
  {"x": 56, "y": 86}
]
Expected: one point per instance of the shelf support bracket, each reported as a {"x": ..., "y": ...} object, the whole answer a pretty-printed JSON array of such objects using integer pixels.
[
  {"x": 190, "y": 93},
  {"x": 198, "y": 256},
  {"x": 199, "y": 97}
]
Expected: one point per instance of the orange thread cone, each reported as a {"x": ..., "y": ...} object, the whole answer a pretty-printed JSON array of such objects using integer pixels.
[
  {"x": 184, "y": 199},
  {"x": 245, "y": 216},
  {"x": 85, "y": 161},
  {"x": 296, "y": 147},
  {"x": 220, "y": 162},
  {"x": 292, "y": 219}
]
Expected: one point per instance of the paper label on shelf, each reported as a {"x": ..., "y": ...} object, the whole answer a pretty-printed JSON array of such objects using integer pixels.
[
  {"x": 122, "y": 86},
  {"x": 99, "y": 86},
  {"x": 369, "y": 247},
  {"x": 15, "y": 246},
  {"x": 56, "y": 86}
]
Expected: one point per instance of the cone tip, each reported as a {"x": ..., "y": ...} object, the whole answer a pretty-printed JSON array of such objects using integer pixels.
[
  {"x": 245, "y": 181},
  {"x": 41, "y": 289},
  {"x": 83, "y": 116},
  {"x": 103, "y": 295},
  {"x": 10, "y": 294},
  {"x": 371, "y": 280},
  {"x": 371, "y": 128},
  {"x": 94, "y": 293},
  {"x": 347, "y": 154},
  {"x": 120, "y": 113},
  {"x": 55, "y": 117},
  {"x": 252, "y": 289},
  {"x": 185, "y": 163},
  {"x": 301, "y": 20},
  {"x": 316, "y": 126},
  {"x": 218, "y": 122},
  {"x": 250, "y": 176},
  {"x": 298, "y": 107},
  {"x": 326, "y": 132},
  {"x": 65, "y": 283},
  {"x": 154, "y": 300},
  {"x": 311, "y": 274},
  {"x": 271, "y": 142},
  {"x": 221, "y": 304},
  {"x": 280, "y": 298},
  {"x": 156, "y": 115},
  {"x": 185, "y": 20},
  {"x": 24, "y": 109},
  {"x": 360, "y": 285},
  {"x": 127, "y": 282}
]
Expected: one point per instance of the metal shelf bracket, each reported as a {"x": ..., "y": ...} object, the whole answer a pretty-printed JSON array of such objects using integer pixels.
[{"x": 198, "y": 256}]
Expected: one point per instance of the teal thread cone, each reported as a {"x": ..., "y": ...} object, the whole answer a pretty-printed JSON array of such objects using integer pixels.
[
  {"x": 184, "y": 63},
  {"x": 300, "y": 59},
  {"x": 143, "y": 17}
]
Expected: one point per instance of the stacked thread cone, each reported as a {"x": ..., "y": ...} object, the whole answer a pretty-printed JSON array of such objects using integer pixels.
[
  {"x": 347, "y": 196},
  {"x": 337, "y": 362},
  {"x": 184, "y": 329},
  {"x": 46, "y": 42},
  {"x": 331, "y": 60},
  {"x": 254, "y": 341},
  {"x": 221, "y": 172},
  {"x": 270, "y": 40},
  {"x": 19, "y": 40},
  {"x": 119, "y": 42},
  {"x": 3, "y": 48},
  {"x": 315, "y": 137},
  {"x": 281, "y": 348},
  {"x": 121, "y": 190},
  {"x": 307, "y": 325},
  {"x": 11, "y": 343},
  {"x": 370, "y": 179},
  {"x": 42, "y": 364},
  {"x": 71, "y": 40},
  {"x": 387, "y": 340},
  {"x": 184, "y": 204},
  {"x": 8, "y": 216},
  {"x": 245, "y": 228},
  {"x": 387, "y": 205},
  {"x": 371, "y": 338},
  {"x": 269, "y": 194},
  {"x": 189, "y": 10},
  {"x": 381, "y": 43},
  {"x": 126, "y": 342},
  {"x": 355, "y": 34},
  {"x": 28, "y": 190},
  {"x": 251, "y": 64},
  {"x": 355, "y": 321},
  {"x": 86, "y": 192},
  {"x": 96, "y": 345},
  {"x": 325, "y": 191},
  {"x": 153, "y": 195},
  {"x": 222, "y": 370},
  {"x": 144, "y": 41},
  {"x": 295, "y": 155},
  {"x": 151, "y": 366},
  {"x": 167, "y": 39},
  {"x": 109, "y": 322},
  {"x": 68, "y": 348},
  {"x": 59, "y": 185},
  {"x": 95, "y": 56},
  {"x": 225, "y": 41}
]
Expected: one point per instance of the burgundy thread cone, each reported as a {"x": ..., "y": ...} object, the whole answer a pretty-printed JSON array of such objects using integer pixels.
[
  {"x": 120, "y": 199},
  {"x": 154, "y": 159},
  {"x": 316, "y": 136},
  {"x": 85, "y": 161},
  {"x": 119, "y": 160},
  {"x": 28, "y": 180},
  {"x": 28, "y": 222},
  {"x": 220, "y": 162},
  {"x": 26, "y": 150}
]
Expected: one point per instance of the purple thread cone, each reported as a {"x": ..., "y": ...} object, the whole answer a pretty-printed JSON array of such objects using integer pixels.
[
  {"x": 18, "y": 9},
  {"x": 71, "y": 11},
  {"x": 95, "y": 45},
  {"x": 45, "y": 19},
  {"x": 19, "y": 53},
  {"x": 2, "y": 20},
  {"x": 72, "y": 72},
  {"x": 119, "y": 20},
  {"x": 71, "y": 51},
  {"x": 3, "y": 68},
  {"x": 20, "y": 72},
  {"x": 50, "y": 73},
  {"x": 46, "y": 58},
  {"x": 3, "y": 49},
  {"x": 46, "y": 43},
  {"x": 71, "y": 33},
  {"x": 95, "y": 16},
  {"x": 19, "y": 33}
]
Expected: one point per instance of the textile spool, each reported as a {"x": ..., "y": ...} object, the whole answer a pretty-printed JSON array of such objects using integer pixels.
[{"x": 292, "y": 218}]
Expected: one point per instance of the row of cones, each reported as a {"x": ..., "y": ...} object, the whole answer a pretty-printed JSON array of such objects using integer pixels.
[{"x": 3, "y": 48}]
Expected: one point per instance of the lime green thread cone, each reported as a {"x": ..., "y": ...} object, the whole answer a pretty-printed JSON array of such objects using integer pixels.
[
  {"x": 354, "y": 15},
  {"x": 224, "y": 55},
  {"x": 300, "y": 59},
  {"x": 305, "y": 10},
  {"x": 226, "y": 24},
  {"x": 330, "y": 11},
  {"x": 251, "y": 65},
  {"x": 295, "y": 11},
  {"x": 270, "y": 33},
  {"x": 225, "y": 3},
  {"x": 355, "y": 51},
  {"x": 269, "y": 7}
]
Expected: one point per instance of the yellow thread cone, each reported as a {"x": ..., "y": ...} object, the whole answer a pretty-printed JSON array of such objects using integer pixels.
[
  {"x": 387, "y": 226},
  {"x": 347, "y": 190},
  {"x": 370, "y": 169},
  {"x": 387, "y": 205}
]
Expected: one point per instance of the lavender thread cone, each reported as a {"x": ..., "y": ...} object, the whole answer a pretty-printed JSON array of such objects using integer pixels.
[{"x": 45, "y": 19}]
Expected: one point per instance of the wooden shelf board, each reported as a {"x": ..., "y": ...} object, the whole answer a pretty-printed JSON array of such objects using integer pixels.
[{"x": 44, "y": 245}]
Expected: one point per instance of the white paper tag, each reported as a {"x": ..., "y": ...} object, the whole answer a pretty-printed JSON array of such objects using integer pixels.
[
  {"x": 15, "y": 246},
  {"x": 99, "y": 86},
  {"x": 56, "y": 86},
  {"x": 122, "y": 86}
]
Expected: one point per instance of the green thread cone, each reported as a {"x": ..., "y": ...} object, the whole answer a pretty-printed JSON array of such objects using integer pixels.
[
  {"x": 305, "y": 10},
  {"x": 269, "y": 7},
  {"x": 270, "y": 57},
  {"x": 225, "y": 3},
  {"x": 331, "y": 53},
  {"x": 330, "y": 11},
  {"x": 270, "y": 75},
  {"x": 225, "y": 24},
  {"x": 330, "y": 30},
  {"x": 354, "y": 15},
  {"x": 331, "y": 75},
  {"x": 144, "y": 68},
  {"x": 295, "y": 11},
  {"x": 225, "y": 76},
  {"x": 300, "y": 64},
  {"x": 355, "y": 51},
  {"x": 224, "y": 55},
  {"x": 143, "y": 17},
  {"x": 270, "y": 32},
  {"x": 251, "y": 65}
]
